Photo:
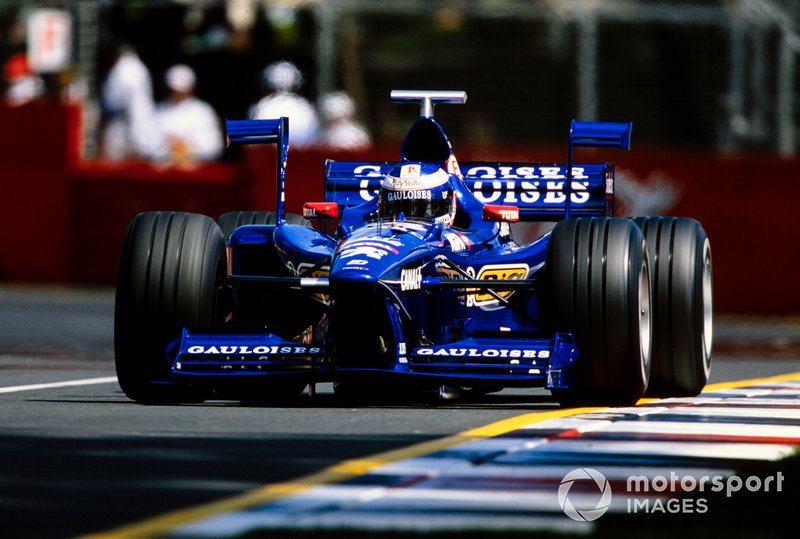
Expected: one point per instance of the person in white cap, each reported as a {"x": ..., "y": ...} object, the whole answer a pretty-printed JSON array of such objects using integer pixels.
[
  {"x": 282, "y": 79},
  {"x": 342, "y": 131},
  {"x": 189, "y": 126}
]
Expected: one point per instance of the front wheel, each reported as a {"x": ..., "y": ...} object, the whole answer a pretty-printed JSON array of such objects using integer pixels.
[
  {"x": 170, "y": 267},
  {"x": 599, "y": 290}
]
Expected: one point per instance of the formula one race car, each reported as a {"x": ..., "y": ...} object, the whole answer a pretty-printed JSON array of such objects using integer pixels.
[{"x": 421, "y": 285}]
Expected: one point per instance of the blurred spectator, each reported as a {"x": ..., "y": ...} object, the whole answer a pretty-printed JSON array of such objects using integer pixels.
[
  {"x": 189, "y": 126},
  {"x": 129, "y": 111},
  {"x": 22, "y": 85},
  {"x": 341, "y": 131},
  {"x": 282, "y": 79},
  {"x": 72, "y": 88}
]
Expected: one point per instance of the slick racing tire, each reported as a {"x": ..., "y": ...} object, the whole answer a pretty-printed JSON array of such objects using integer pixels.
[
  {"x": 599, "y": 286},
  {"x": 232, "y": 220},
  {"x": 680, "y": 264},
  {"x": 169, "y": 269}
]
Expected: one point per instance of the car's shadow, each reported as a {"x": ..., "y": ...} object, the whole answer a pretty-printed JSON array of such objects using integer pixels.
[
  {"x": 328, "y": 400},
  {"x": 381, "y": 397}
]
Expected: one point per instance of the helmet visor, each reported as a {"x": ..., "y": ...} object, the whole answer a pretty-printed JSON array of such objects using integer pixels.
[
  {"x": 418, "y": 204},
  {"x": 418, "y": 191}
]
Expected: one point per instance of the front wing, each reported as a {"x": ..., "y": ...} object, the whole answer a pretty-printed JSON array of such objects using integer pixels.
[{"x": 206, "y": 357}]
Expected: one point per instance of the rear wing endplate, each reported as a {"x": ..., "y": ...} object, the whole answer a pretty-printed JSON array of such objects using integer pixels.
[
  {"x": 598, "y": 135},
  {"x": 265, "y": 132}
]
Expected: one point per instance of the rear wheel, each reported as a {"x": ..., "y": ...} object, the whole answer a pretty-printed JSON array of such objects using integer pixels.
[
  {"x": 259, "y": 261},
  {"x": 170, "y": 267},
  {"x": 680, "y": 262},
  {"x": 599, "y": 283},
  {"x": 232, "y": 220}
]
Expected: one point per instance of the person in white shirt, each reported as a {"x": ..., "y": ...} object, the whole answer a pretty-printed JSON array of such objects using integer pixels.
[
  {"x": 127, "y": 96},
  {"x": 282, "y": 79},
  {"x": 342, "y": 131},
  {"x": 189, "y": 127}
]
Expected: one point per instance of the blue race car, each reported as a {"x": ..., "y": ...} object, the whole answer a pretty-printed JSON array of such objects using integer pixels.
[{"x": 419, "y": 284}]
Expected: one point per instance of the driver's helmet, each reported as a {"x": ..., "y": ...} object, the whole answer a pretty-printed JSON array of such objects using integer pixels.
[{"x": 417, "y": 191}]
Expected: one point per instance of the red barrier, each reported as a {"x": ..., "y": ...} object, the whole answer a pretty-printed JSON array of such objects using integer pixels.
[
  {"x": 106, "y": 197},
  {"x": 38, "y": 144},
  {"x": 747, "y": 205}
]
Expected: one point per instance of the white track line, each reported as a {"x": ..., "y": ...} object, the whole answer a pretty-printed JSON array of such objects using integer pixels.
[{"x": 84, "y": 382}]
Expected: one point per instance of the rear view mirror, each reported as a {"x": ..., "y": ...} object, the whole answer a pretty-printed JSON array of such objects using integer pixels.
[
  {"x": 499, "y": 212},
  {"x": 320, "y": 210}
]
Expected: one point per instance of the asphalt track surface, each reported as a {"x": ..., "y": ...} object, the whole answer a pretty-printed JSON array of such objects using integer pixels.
[{"x": 77, "y": 457}]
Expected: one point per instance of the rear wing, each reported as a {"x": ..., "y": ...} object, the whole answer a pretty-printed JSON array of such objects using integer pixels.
[
  {"x": 261, "y": 132},
  {"x": 539, "y": 190},
  {"x": 542, "y": 192}
]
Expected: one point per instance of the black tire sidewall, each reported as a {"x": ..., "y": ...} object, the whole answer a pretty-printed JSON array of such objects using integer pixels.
[
  {"x": 679, "y": 251},
  {"x": 170, "y": 265},
  {"x": 593, "y": 269},
  {"x": 232, "y": 220}
]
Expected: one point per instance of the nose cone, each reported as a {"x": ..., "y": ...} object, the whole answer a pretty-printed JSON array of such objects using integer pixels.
[{"x": 373, "y": 252}]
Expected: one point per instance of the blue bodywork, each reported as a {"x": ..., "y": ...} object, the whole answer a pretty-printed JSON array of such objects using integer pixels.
[{"x": 425, "y": 302}]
